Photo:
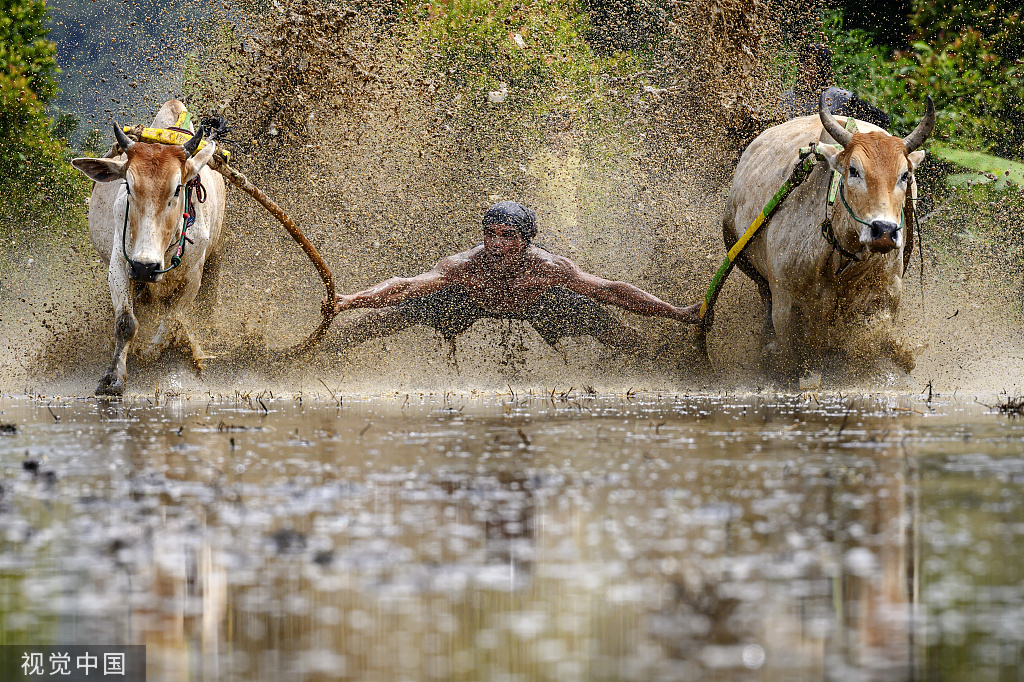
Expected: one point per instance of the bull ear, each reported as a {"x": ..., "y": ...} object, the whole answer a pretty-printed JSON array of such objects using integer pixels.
[
  {"x": 915, "y": 158},
  {"x": 196, "y": 163},
  {"x": 101, "y": 170},
  {"x": 831, "y": 155}
]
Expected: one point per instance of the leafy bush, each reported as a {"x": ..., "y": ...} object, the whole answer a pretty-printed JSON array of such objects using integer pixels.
[
  {"x": 27, "y": 83},
  {"x": 505, "y": 74},
  {"x": 970, "y": 73},
  {"x": 34, "y": 175}
]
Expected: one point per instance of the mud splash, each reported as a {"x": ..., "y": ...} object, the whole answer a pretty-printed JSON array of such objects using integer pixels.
[{"x": 387, "y": 162}]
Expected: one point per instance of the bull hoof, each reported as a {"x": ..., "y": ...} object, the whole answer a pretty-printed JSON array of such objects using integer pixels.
[
  {"x": 110, "y": 386},
  {"x": 200, "y": 361}
]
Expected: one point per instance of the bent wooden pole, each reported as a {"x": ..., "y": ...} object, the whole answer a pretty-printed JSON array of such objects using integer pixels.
[{"x": 327, "y": 309}]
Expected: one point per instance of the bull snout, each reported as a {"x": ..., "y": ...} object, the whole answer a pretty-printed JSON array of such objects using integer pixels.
[
  {"x": 883, "y": 236},
  {"x": 144, "y": 272}
]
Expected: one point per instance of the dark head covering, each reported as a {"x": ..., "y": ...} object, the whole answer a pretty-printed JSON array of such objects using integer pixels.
[{"x": 514, "y": 214}]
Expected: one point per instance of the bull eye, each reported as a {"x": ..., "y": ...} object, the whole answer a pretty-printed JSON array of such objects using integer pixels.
[
  {"x": 905, "y": 177},
  {"x": 177, "y": 190},
  {"x": 854, "y": 173}
]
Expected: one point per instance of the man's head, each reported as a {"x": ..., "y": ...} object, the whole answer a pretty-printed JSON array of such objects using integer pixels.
[
  {"x": 508, "y": 229},
  {"x": 514, "y": 214}
]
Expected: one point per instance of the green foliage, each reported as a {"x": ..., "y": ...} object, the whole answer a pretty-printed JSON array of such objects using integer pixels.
[
  {"x": 508, "y": 74},
  {"x": 535, "y": 47},
  {"x": 998, "y": 22},
  {"x": 35, "y": 179},
  {"x": 970, "y": 74},
  {"x": 27, "y": 84},
  {"x": 26, "y": 54}
]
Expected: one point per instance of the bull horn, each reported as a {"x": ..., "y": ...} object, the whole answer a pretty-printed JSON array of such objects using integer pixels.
[
  {"x": 192, "y": 145},
  {"x": 122, "y": 140},
  {"x": 832, "y": 127},
  {"x": 923, "y": 129}
]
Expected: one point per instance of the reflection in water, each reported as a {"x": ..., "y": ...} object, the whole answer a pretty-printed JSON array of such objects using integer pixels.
[{"x": 592, "y": 538}]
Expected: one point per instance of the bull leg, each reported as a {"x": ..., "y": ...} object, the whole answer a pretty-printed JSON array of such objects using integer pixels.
[
  {"x": 797, "y": 352},
  {"x": 779, "y": 354},
  {"x": 763, "y": 288},
  {"x": 125, "y": 326},
  {"x": 172, "y": 329},
  {"x": 199, "y": 357},
  {"x": 208, "y": 296},
  {"x": 768, "y": 330},
  {"x": 186, "y": 299}
]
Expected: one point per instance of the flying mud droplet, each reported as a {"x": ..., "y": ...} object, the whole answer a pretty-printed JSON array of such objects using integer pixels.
[{"x": 498, "y": 96}]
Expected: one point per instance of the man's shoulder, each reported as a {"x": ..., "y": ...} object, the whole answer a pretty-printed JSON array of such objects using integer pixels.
[
  {"x": 551, "y": 267},
  {"x": 461, "y": 260},
  {"x": 543, "y": 259}
]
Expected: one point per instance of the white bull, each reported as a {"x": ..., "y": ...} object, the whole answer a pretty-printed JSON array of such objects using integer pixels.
[
  {"x": 813, "y": 293},
  {"x": 136, "y": 222}
]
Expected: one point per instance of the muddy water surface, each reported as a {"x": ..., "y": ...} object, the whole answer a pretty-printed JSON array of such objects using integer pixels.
[{"x": 470, "y": 537}]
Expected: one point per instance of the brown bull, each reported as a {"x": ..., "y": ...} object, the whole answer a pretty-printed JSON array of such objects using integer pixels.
[
  {"x": 136, "y": 225},
  {"x": 817, "y": 294}
]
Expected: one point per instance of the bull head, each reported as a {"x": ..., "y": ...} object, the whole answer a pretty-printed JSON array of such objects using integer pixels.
[
  {"x": 877, "y": 171},
  {"x": 155, "y": 176}
]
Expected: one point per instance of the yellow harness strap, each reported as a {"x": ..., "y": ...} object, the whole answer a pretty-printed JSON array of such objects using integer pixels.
[{"x": 165, "y": 136}]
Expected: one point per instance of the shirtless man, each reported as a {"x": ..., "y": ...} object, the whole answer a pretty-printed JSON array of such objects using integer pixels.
[{"x": 506, "y": 277}]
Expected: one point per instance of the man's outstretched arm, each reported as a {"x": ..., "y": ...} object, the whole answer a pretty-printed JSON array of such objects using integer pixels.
[
  {"x": 397, "y": 289},
  {"x": 622, "y": 294}
]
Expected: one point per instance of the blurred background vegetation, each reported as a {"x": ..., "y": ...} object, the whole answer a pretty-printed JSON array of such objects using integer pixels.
[{"x": 966, "y": 55}]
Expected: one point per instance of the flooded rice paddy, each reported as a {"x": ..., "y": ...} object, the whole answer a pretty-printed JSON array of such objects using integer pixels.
[{"x": 511, "y": 537}]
